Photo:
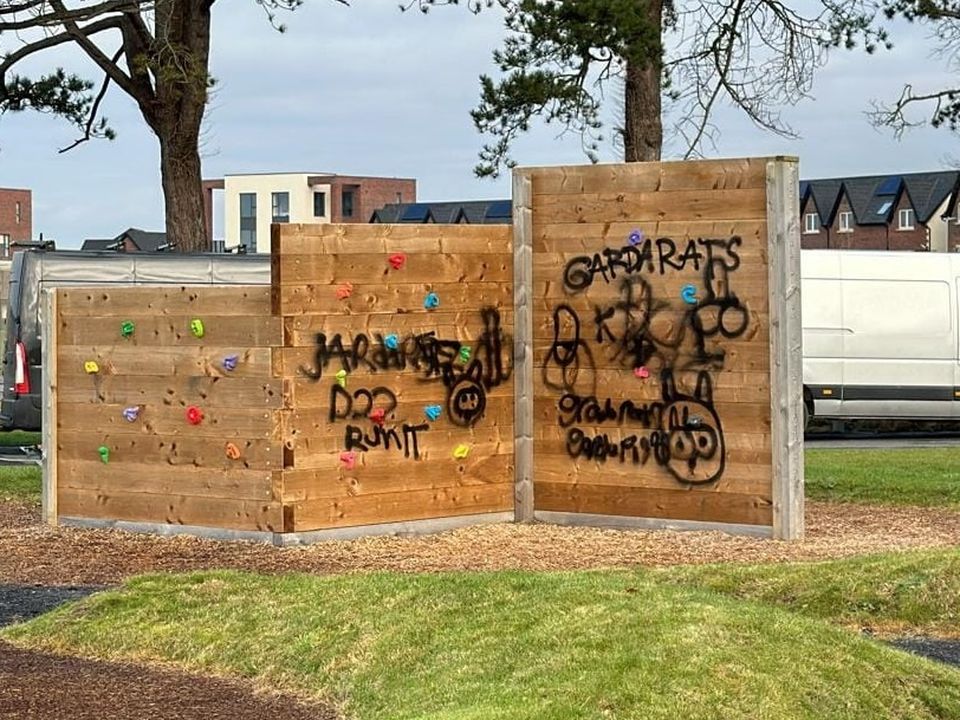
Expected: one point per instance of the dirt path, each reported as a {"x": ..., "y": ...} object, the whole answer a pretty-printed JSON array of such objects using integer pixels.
[
  {"x": 39, "y": 686},
  {"x": 35, "y": 554}
]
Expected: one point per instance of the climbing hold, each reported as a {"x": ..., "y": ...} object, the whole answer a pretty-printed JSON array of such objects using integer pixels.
[
  {"x": 194, "y": 415},
  {"x": 641, "y": 372},
  {"x": 341, "y": 378},
  {"x": 461, "y": 451},
  {"x": 230, "y": 362},
  {"x": 196, "y": 327},
  {"x": 344, "y": 291},
  {"x": 232, "y": 451},
  {"x": 131, "y": 414},
  {"x": 91, "y": 367},
  {"x": 349, "y": 459},
  {"x": 635, "y": 237},
  {"x": 104, "y": 452},
  {"x": 377, "y": 415},
  {"x": 126, "y": 328},
  {"x": 689, "y": 294},
  {"x": 391, "y": 342},
  {"x": 431, "y": 301},
  {"x": 693, "y": 422},
  {"x": 397, "y": 260},
  {"x": 432, "y": 412},
  {"x": 464, "y": 353}
]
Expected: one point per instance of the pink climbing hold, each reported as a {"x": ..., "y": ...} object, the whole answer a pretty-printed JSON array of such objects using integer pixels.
[
  {"x": 397, "y": 260},
  {"x": 344, "y": 291},
  {"x": 349, "y": 459},
  {"x": 377, "y": 415},
  {"x": 641, "y": 372},
  {"x": 194, "y": 415}
]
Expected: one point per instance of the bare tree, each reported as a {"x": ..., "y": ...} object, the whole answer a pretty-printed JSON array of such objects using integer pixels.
[
  {"x": 156, "y": 51},
  {"x": 559, "y": 60}
]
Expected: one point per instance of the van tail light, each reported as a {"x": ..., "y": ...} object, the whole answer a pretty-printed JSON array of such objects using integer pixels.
[{"x": 22, "y": 378}]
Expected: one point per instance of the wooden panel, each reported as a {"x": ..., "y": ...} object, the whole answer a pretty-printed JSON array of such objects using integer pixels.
[
  {"x": 173, "y": 330},
  {"x": 158, "y": 419},
  {"x": 651, "y": 341},
  {"x": 319, "y": 298},
  {"x": 172, "y": 509},
  {"x": 124, "y": 302},
  {"x": 177, "y": 391},
  {"x": 185, "y": 360},
  {"x": 420, "y": 268}
]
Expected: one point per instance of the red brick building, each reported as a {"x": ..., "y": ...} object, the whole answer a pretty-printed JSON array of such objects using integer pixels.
[
  {"x": 880, "y": 212},
  {"x": 16, "y": 218}
]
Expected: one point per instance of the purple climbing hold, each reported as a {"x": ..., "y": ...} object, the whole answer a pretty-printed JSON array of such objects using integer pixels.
[
  {"x": 131, "y": 414},
  {"x": 635, "y": 237},
  {"x": 230, "y": 362}
]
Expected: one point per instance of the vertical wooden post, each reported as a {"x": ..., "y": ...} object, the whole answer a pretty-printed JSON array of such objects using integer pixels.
[
  {"x": 48, "y": 341},
  {"x": 523, "y": 343},
  {"x": 786, "y": 347}
]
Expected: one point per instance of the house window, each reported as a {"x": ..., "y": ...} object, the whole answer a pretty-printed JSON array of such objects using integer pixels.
[
  {"x": 18, "y": 213},
  {"x": 5, "y": 245},
  {"x": 319, "y": 204},
  {"x": 248, "y": 220},
  {"x": 280, "y": 204},
  {"x": 219, "y": 246},
  {"x": 846, "y": 221},
  {"x": 906, "y": 219},
  {"x": 346, "y": 204},
  {"x": 811, "y": 223}
]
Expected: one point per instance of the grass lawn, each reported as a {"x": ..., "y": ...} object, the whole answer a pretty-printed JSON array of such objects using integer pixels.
[
  {"x": 921, "y": 476},
  {"x": 915, "y": 592},
  {"x": 503, "y": 645},
  {"x": 20, "y": 483},
  {"x": 19, "y": 437}
]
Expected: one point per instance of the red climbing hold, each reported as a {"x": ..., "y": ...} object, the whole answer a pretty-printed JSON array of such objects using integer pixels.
[
  {"x": 397, "y": 260},
  {"x": 378, "y": 415},
  {"x": 348, "y": 459},
  {"x": 194, "y": 415}
]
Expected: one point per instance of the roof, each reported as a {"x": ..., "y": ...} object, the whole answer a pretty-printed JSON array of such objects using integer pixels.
[
  {"x": 145, "y": 240},
  {"x": 96, "y": 244},
  {"x": 873, "y": 198},
  {"x": 473, "y": 212}
]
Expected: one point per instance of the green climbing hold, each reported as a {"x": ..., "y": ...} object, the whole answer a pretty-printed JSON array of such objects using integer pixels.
[
  {"x": 126, "y": 328},
  {"x": 196, "y": 327},
  {"x": 465, "y": 354},
  {"x": 104, "y": 453}
]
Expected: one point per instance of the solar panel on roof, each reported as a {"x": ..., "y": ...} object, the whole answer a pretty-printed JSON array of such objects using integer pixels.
[
  {"x": 890, "y": 186},
  {"x": 417, "y": 212},
  {"x": 500, "y": 209}
]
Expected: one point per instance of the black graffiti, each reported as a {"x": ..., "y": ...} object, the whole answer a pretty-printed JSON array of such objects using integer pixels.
[
  {"x": 425, "y": 353},
  {"x": 575, "y": 410},
  {"x": 467, "y": 398},
  {"x": 569, "y": 355},
  {"x": 652, "y": 257},
  {"x": 405, "y": 440},
  {"x": 632, "y": 449},
  {"x": 359, "y": 404}
]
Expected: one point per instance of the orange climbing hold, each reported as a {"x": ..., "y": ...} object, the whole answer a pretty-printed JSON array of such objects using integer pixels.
[{"x": 233, "y": 452}]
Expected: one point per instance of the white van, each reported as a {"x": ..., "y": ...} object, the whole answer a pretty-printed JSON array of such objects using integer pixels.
[{"x": 881, "y": 336}]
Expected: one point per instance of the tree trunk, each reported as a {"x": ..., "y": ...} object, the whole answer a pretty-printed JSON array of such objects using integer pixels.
[
  {"x": 183, "y": 191},
  {"x": 642, "y": 124}
]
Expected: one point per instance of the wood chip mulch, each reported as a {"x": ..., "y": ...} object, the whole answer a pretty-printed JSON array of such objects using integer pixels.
[
  {"x": 34, "y": 553},
  {"x": 40, "y": 686}
]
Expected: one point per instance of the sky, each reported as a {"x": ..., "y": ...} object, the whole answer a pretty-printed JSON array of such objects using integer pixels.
[{"x": 367, "y": 90}]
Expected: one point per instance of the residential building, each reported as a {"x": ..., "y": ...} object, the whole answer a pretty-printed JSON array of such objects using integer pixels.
[
  {"x": 473, "y": 212},
  {"x": 16, "y": 218},
  {"x": 251, "y": 203},
  {"x": 880, "y": 212},
  {"x": 130, "y": 240}
]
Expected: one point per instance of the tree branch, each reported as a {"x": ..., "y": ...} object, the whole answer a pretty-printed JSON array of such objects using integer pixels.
[{"x": 89, "y": 131}]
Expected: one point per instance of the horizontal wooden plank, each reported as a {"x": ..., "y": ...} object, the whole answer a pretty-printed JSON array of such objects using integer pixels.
[
  {"x": 686, "y": 504},
  {"x": 366, "y": 298},
  {"x": 677, "y": 205},
  {"x": 579, "y": 238},
  {"x": 756, "y": 443},
  {"x": 181, "y": 360},
  {"x": 173, "y": 391},
  {"x": 172, "y": 330},
  {"x": 703, "y": 175},
  {"x": 753, "y": 298},
  {"x": 727, "y": 356},
  {"x": 338, "y": 239},
  {"x": 224, "y": 423},
  {"x": 195, "y": 301},
  {"x": 176, "y": 451},
  {"x": 373, "y": 475},
  {"x": 465, "y": 325},
  {"x": 400, "y": 507},
  {"x": 171, "y": 509},
  {"x": 403, "y": 396},
  {"x": 418, "y": 268},
  {"x": 124, "y": 474}
]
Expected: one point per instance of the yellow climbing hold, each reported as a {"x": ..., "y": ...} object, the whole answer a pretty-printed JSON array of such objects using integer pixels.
[
  {"x": 342, "y": 378},
  {"x": 91, "y": 367},
  {"x": 461, "y": 451}
]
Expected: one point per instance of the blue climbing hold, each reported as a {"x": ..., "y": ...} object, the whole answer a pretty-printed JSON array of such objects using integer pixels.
[
  {"x": 391, "y": 342},
  {"x": 431, "y": 301},
  {"x": 635, "y": 237},
  {"x": 432, "y": 412},
  {"x": 689, "y": 294}
]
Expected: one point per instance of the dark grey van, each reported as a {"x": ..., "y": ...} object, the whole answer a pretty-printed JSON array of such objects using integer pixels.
[{"x": 33, "y": 271}]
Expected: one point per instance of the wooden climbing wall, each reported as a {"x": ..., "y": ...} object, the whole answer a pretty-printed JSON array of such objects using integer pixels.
[
  {"x": 651, "y": 339},
  {"x": 398, "y": 355},
  {"x": 125, "y": 448}
]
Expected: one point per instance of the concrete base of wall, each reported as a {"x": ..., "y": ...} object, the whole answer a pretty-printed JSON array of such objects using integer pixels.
[
  {"x": 416, "y": 527},
  {"x": 632, "y": 523}
]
